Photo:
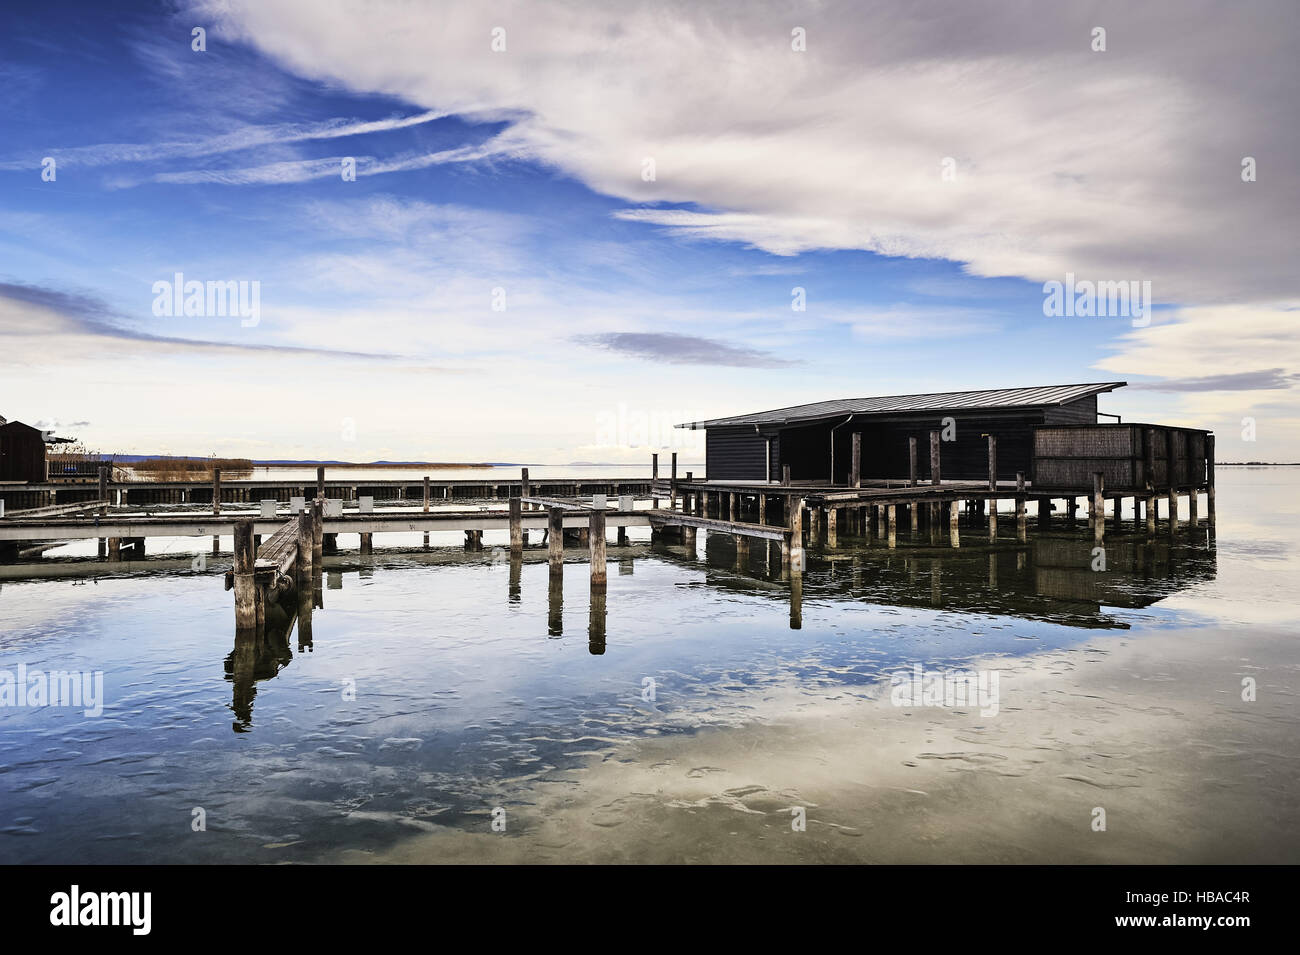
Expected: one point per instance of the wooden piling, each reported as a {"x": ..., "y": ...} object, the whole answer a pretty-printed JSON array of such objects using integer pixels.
[
  {"x": 785, "y": 475},
  {"x": 320, "y": 482},
  {"x": 855, "y": 474},
  {"x": 245, "y": 578},
  {"x": 596, "y": 527},
  {"x": 795, "y": 524},
  {"x": 832, "y": 527},
  {"x": 317, "y": 533},
  {"x": 893, "y": 525},
  {"x": 303, "y": 566},
  {"x": 1153, "y": 508},
  {"x": 993, "y": 462},
  {"x": 1173, "y": 508},
  {"x": 426, "y": 494},
  {"x": 934, "y": 457},
  {"x": 672, "y": 485},
  {"x": 1022, "y": 522},
  {"x": 216, "y": 490},
  {"x": 654, "y": 476},
  {"x": 911, "y": 458},
  {"x": 555, "y": 530},
  {"x": 516, "y": 526},
  {"x": 953, "y": 533},
  {"x": 367, "y": 543}
]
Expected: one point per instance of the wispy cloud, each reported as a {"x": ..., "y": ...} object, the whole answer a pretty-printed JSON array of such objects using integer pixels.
[
  {"x": 1268, "y": 379},
  {"x": 682, "y": 349},
  {"x": 247, "y": 137}
]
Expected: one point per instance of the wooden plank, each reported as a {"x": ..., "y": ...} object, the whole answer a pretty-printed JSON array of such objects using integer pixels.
[{"x": 678, "y": 519}]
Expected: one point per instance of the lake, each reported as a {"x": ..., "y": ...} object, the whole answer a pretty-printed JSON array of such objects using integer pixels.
[{"x": 461, "y": 707}]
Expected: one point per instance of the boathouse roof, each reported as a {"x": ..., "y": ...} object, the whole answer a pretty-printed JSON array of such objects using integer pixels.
[{"x": 988, "y": 399}]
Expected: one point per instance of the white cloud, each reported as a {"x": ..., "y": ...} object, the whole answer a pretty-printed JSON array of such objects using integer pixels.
[{"x": 1123, "y": 164}]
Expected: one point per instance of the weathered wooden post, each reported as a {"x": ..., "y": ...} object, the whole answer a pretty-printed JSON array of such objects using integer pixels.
[
  {"x": 320, "y": 482},
  {"x": 596, "y": 525},
  {"x": 555, "y": 530},
  {"x": 672, "y": 485},
  {"x": 317, "y": 533},
  {"x": 893, "y": 525},
  {"x": 516, "y": 526},
  {"x": 654, "y": 477},
  {"x": 832, "y": 527},
  {"x": 1209, "y": 477},
  {"x": 953, "y": 533},
  {"x": 993, "y": 462},
  {"x": 934, "y": 457},
  {"x": 785, "y": 475},
  {"x": 245, "y": 577},
  {"x": 796, "y": 598},
  {"x": 1173, "y": 509},
  {"x": 103, "y": 483},
  {"x": 305, "y": 547},
  {"x": 426, "y": 494},
  {"x": 1022, "y": 523},
  {"x": 216, "y": 507},
  {"x": 367, "y": 543},
  {"x": 795, "y": 523},
  {"x": 911, "y": 461},
  {"x": 762, "y": 508},
  {"x": 855, "y": 475},
  {"x": 1098, "y": 507}
]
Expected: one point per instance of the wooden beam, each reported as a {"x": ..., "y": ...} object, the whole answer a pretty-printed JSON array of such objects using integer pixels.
[
  {"x": 934, "y": 457},
  {"x": 855, "y": 475},
  {"x": 911, "y": 457},
  {"x": 993, "y": 462}
]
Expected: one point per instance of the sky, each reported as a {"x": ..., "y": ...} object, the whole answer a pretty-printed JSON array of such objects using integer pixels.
[{"x": 572, "y": 225}]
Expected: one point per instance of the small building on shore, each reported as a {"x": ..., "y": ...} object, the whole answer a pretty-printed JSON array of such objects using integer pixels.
[{"x": 22, "y": 453}]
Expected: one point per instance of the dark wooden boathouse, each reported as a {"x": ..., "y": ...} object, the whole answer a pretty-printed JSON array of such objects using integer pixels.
[{"x": 1050, "y": 434}]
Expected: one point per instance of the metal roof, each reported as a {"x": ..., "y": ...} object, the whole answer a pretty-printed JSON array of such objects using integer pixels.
[{"x": 992, "y": 398}]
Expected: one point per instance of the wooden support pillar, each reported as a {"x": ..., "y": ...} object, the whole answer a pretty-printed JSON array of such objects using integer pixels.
[
  {"x": 688, "y": 538},
  {"x": 855, "y": 474},
  {"x": 1044, "y": 512},
  {"x": 1117, "y": 516},
  {"x": 1173, "y": 507},
  {"x": 426, "y": 495},
  {"x": 893, "y": 524},
  {"x": 216, "y": 491},
  {"x": 785, "y": 475},
  {"x": 317, "y": 533},
  {"x": 833, "y": 527},
  {"x": 993, "y": 517},
  {"x": 733, "y": 506},
  {"x": 1192, "y": 505},
  {"x": 954, "y": 513},
  {"x": 672, "y": 485},
  {"x": 934, "y": 457},
  {"x": 596, "y": 537},
  {"x": 880, "y": 520},
  {"x": 103, "y": 484},
  {"x": 911, "y": 459},
  {"x": 1097, "y": 503},
  {"x": 367, "y": 543},
  {"x": 795, "y": 523},
  {"x": 320, "y": 482},
  {"x": 245, "y": 579},
  {"x": 1209, "y": 477},
  {"x": 1071, "y": 508},
  {"x": 654, "y": 476},
  {"x": 622, "y": 534},
  {"x": 914, "y": 512},
  {"x": 993, "y": 462},
  {"x": 762, "y": 508},
  {"x": 305, "y": 546},
  {"x": 1022, "y": 522},
  {"x": 1153, "y": 508},
  {"x": 516, "y": 526},
  {"x": 742, "y": 552},
  {"x": 555, "y": 530}
]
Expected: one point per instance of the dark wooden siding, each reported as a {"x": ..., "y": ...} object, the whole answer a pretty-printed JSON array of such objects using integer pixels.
[
  {"x": 1083, "y": 411},
  {"x": 735, "y": 454},
  {"x": 1129, "y": 455},
  {"x": 22, "y": 453}
]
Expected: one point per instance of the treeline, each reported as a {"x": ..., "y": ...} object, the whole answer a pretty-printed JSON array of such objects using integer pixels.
[{"x": 190, "y": 469}]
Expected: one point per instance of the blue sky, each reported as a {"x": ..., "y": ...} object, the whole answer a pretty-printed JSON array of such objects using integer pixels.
[{"x": 516, "y": 176}]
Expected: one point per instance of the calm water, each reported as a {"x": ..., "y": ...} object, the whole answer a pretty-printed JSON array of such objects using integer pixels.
[{"x": 482, "y": 685}]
